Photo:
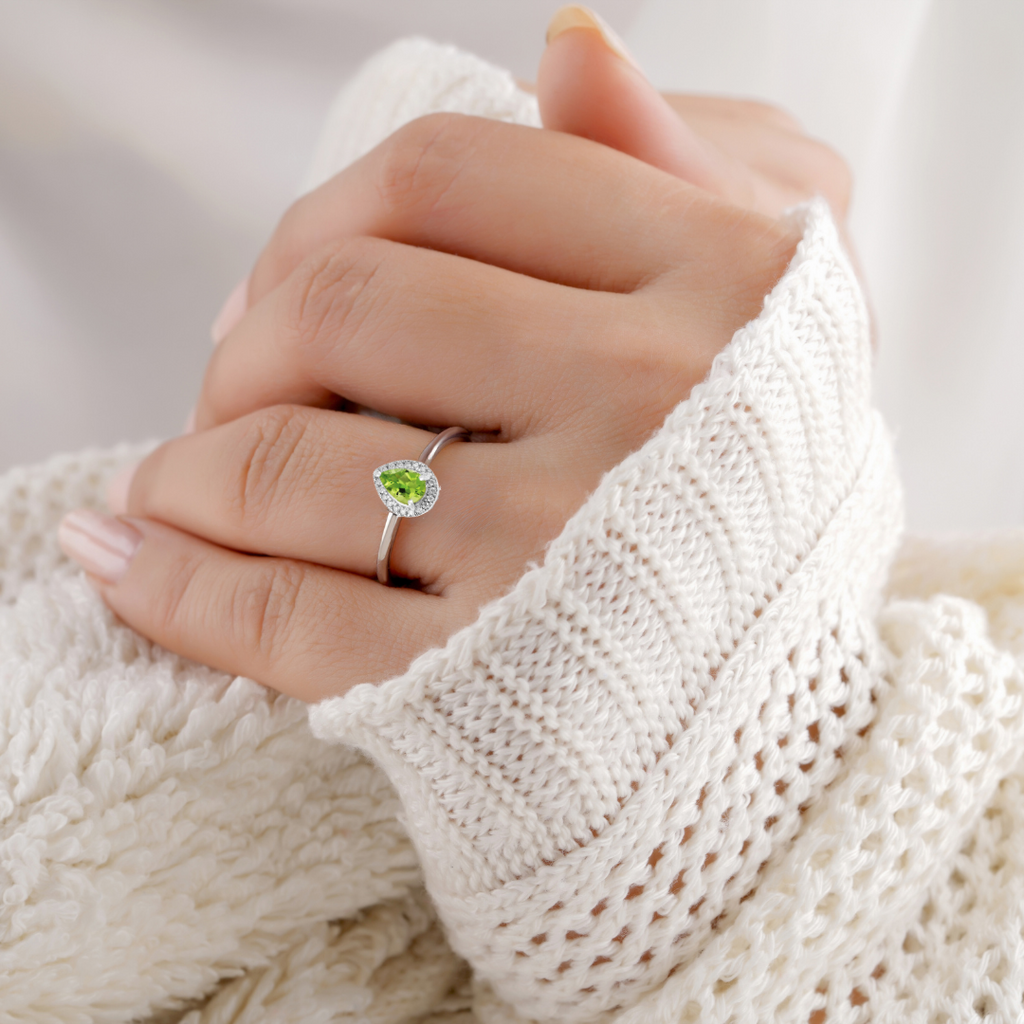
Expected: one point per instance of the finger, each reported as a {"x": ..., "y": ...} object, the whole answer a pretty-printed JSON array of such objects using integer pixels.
[
  {"x": 305, "y": 630},
  {"x": 773, "y": 144},
  {"x": 295, "y": 482},
  {"x": 419, "y": 335},
  {"x": 231, "y": 312},
  {"x": 586, "y": 87},
  {"x": 469, "y": 186},
  {"x": 762, "y": 137},
  {"x": 690, "y": 106}
]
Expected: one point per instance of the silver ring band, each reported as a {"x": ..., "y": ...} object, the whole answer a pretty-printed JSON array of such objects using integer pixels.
[{"x": 398, "y": 510}]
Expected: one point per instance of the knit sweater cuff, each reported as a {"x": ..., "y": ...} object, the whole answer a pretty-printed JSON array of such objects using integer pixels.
[{"x": 694, "y": 651}]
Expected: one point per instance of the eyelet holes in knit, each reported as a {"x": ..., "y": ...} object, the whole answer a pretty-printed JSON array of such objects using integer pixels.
[{"x": 658, "y": 912}]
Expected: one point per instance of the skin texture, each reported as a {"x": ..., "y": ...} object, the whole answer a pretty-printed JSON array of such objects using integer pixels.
[{"x": 557, "y": 292}]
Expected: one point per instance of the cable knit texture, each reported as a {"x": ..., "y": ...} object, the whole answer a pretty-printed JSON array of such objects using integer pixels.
[{"x": 710, "y": 761}]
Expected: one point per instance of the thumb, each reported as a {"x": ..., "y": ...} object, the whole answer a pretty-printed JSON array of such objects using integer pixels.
[{"x": 588, "y": 85}]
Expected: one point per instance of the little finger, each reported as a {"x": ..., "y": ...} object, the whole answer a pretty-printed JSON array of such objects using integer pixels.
[{"x": 308, "y": 631}]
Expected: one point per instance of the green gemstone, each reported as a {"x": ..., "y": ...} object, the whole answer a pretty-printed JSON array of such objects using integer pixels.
[{"x": 404, "y": 485}]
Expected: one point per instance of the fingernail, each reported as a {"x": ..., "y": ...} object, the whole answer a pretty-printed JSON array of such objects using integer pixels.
[
  {"x": 102, "y": 545},
  {"x": 190, "y": 422},
  {"x": 118, "y": 488},
  {"x": 578, "y": 16},
  {"x": 231, "y": 312}
]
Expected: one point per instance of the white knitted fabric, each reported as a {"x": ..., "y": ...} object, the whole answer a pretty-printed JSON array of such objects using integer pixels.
[
  {"x": 168, "y": 833},
  {"x": 699, "y": 765}
]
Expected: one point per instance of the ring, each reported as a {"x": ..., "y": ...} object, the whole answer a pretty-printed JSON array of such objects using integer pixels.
[{"x": 408, "y": 489}]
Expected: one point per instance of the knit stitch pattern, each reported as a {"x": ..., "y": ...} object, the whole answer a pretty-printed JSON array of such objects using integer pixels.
[
  {"x": 704, "y": 763},
  {"x": 596, "y": 772}
]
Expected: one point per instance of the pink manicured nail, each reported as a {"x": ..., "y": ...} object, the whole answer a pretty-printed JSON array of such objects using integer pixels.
[
  {"x": 118, "y": 488},
  {"x": 102, "y": 545},
  {"x": 231, "y": 312},
  {"x": 190, "y": 422}
]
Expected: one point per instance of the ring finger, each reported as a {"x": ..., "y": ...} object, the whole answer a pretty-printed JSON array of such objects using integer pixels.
[{"x": 296, "y": 482}]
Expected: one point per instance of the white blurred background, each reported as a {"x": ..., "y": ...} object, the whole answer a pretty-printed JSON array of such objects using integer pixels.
[{"x": 147, "y": 147}]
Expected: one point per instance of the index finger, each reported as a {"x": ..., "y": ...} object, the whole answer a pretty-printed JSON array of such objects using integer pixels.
[{"x": 541, "y": 203}]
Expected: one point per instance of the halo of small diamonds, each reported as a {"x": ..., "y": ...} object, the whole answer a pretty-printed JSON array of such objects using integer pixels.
[{"x": 413, "y": 509}]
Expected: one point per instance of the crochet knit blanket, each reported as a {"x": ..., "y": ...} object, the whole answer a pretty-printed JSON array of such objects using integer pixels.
[{"x": 718, "y": 758}]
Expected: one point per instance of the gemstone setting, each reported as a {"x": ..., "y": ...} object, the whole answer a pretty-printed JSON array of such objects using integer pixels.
[
  {"x": 404, "y": 485},
  {"x": 408, "y": 488}
]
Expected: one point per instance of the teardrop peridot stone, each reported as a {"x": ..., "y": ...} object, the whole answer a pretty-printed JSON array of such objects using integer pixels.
[{"x": 404, "y": 485}]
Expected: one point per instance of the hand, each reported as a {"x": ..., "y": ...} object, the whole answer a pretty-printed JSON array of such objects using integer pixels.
[
  {"x": 535, "y": 287},
  {"x": 745, "y": 152}
]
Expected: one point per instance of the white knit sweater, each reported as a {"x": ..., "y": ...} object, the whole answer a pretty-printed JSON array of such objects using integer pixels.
[{"x": 699, "y": 765}]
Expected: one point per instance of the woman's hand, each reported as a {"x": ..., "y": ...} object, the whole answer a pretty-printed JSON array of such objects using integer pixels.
[
  {"x": 542, "y": 290},
  {"x": 745, "y": 152},
  {"x": 534, "y": 287}
]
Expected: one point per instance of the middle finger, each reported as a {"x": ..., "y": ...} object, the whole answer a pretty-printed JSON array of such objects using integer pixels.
[{"x": 419, "y": 335}]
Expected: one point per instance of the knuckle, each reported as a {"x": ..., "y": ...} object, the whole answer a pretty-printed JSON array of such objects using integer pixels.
[
  {"x": 331, "y": 298},
  {"x": 177, "y": 602},
  {"x": 776, "y": 116},
  {"x": 262, "y": 610},
  {"x": 422, "y": 160},
  {"x": 770, "y": 114},
  {"x": 270, "y": 452},
  {"x": 767, "y": 250}
]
